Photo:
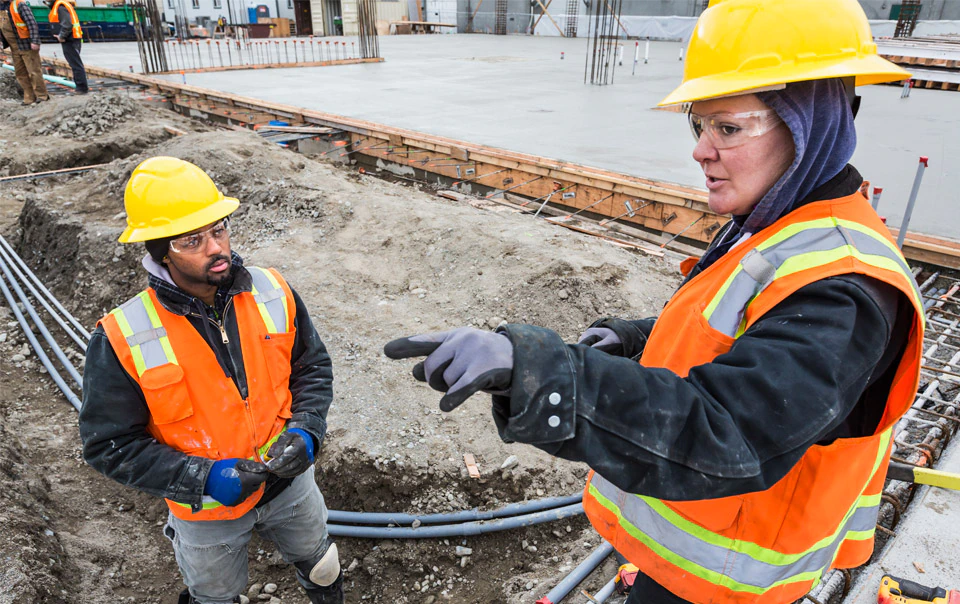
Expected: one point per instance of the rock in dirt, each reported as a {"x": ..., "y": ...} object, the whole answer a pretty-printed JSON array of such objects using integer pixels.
[
  {"x": 95, "y": 116},
  {"x": 510, "y": 462}
]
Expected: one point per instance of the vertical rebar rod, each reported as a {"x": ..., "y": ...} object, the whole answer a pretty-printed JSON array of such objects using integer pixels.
[{"x": 913, "y": 199}]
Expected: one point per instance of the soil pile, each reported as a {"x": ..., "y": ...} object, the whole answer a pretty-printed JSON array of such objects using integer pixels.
[
  {"x": 373, "y": 261},
  {"x": 83, "y": 119},
  {"x": 9, "y": 89}
]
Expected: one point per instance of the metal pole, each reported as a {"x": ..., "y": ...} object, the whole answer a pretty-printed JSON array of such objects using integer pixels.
[
  {"x": 636, "y": 58},
  {"x": 875, "y": 201},
  {"x": 646, "y": 52},
  {"x": 913, "y": 199}
]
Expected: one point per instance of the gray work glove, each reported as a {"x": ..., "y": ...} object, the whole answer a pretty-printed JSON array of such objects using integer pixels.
[
  {"x": 603, "y": 339},
  {"x": 460, "y": 362}
]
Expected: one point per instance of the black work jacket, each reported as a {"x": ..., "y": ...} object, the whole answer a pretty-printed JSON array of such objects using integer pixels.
[
  {"x": 830, "y": 350},
  {"x": 114, "y": 414}
]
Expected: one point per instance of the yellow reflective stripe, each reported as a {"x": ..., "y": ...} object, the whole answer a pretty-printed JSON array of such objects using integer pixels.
[
  {"x": 794, "y": 229},
  {"x": 127, "y": 331},
  {"x": 156, "y": 322},
  {"x": 266, "y": 447},
  {"x": 283, "y": 298},
  {"x": 262, "y": 309},
  {"x": 708, "y": 311}
]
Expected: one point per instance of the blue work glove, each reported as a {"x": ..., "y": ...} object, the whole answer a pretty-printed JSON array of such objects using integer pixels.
[
  {"x": 603, "y": 339},
  {"x": 233, "y": 480},
  {"x": 291, "y": 454},
  {"x": 460, "y": 363}
]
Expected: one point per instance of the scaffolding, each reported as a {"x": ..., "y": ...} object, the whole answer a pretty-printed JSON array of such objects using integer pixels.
[
  {"x": 907, "y": 20},
  {"x": 570, "y": 27},
  {"x": 500, "y": 16}
]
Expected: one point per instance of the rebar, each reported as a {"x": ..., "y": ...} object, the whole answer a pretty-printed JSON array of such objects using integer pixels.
[
  {"x": 367, "y": 32},
  {"x": 603, "y": 42}
]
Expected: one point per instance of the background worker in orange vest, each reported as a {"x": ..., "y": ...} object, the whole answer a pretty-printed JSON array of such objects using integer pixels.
[
  {"x": 70, "y": 36},
  {"x": 210, "y": 389},
  {"x": 745, "y": 453},
  {"x": 19, "y": 32}
]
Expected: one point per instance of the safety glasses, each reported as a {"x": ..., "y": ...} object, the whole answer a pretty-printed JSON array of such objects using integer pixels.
[
  {"x": 195, "y": 242},
  {"x": 728, "y": 130}
]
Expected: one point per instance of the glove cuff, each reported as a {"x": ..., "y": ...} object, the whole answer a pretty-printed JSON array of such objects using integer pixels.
[{"x": 307, "y": 439}]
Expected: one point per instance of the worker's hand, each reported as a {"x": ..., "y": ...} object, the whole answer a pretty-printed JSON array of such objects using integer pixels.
[
  {"x": 60, "y": 39},
  {"x": 603, "y": 339},
  {"x": 34, "y": 47},
  {"x": 233, "y": 480},
  {"x": 460, "y": 363},
  {"x": 291, "y": 454}
]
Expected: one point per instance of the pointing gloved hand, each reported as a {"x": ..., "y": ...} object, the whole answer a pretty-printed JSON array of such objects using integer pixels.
[
  {"x": 460, "y": 362},
  {"x": 232, "y": 480},
  {"x": 603, "y": 339},
  {"x": 291, "y": 454}
]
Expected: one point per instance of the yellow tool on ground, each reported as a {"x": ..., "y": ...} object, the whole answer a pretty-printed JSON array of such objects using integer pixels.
[
  {"x": 917, "y": 475},
  {"x": 894, "y": 590}
]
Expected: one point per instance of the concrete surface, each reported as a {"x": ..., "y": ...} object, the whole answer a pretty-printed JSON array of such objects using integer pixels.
[
  {"x": 926, "y": 535},
  {"x": 515, "y": 92}
]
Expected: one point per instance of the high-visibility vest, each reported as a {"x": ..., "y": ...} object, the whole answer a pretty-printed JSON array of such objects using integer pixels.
[
  {"x": 194, "y": 407},
  {"x": 23, "y": 32},
  {"x": 54, "y": 17},
  {"x": 771, "y": 546}
]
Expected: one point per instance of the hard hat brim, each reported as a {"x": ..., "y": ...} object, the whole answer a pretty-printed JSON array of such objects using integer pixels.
[
  {"x": 212, "y": 213},
  {"x": 868, "y": 70}
]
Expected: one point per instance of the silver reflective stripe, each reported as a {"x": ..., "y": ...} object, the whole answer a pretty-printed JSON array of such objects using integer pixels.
[
  {"x": 752, "y": 280},
  {"x": 136, "y": 315},
  {"x": 738, "y": 566},
  {"x": 140, "y": 337},
  {"x": 270, "y": 297}
]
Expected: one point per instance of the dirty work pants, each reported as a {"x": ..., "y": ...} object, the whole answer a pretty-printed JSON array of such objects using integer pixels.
[
  {"x": 26, "y": 63},
  {"x": 212, "y": 555},
  {"x": 71, "y": 52}
]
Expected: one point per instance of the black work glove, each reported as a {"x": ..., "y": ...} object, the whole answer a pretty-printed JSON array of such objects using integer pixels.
[
  {"x": 231, "y": 481},
  {"x": 460, "y": 363},
  {"x": 291, "y": 454}
]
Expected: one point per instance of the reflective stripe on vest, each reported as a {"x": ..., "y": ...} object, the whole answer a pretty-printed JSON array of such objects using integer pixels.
[
  {"x": 737, "y": 565},
  {"x": 795, "y": 248},
  {"x": 271, "y": 300},
  {"x": 140, "y": 325},
  {"x": 75, "y": 30},
  {"x": 23, "y": 32}
]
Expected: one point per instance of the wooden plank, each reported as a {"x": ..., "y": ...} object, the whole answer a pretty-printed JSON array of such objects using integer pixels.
[
  {"x": 470, "y": 461},
  {"x": 274, "y": 66},
  {"x": 296, "y": 129},
  {"x": 49, "y": 173}
]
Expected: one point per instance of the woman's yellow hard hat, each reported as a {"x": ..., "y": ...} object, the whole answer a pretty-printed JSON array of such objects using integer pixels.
[
  {"x": 166, "y": 197},
  {"x": 739, "y": 46}
]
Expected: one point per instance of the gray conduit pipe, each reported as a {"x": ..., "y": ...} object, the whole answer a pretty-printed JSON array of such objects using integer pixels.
[
  {"x": 36, "y": 347},
  {"x": 513, "y": 509},
  {"x": 42, "y": 299},
  {"x": 577, "y": 575},
  {"x": 57, "y": 351},
  {"x": 466, "y": 529},
  {"x": 604, "y": 594},
  {"x": 53, "y": 299}
]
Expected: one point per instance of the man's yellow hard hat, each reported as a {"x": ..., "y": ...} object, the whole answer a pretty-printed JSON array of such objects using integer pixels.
[
  {"x": 745, "y": 45},
  {"x": 166, "y": 197}
]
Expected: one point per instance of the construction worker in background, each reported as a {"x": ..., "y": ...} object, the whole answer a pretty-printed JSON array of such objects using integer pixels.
[
  {"x": 745, "y": 454},
  {"x": 70, "y": 36},
  {"x": 19, "y": 32},
  {"x": 210, "y": 389}
]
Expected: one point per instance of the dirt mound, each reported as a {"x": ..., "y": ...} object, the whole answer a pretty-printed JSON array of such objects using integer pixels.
[
  {"x": 373, "y": 260},
  {"x": 85, "y": 116},
  {"x": 9, "y": 89}
]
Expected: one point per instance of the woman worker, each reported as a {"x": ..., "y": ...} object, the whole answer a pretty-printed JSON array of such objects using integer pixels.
[{"x": 745, "y": 454}]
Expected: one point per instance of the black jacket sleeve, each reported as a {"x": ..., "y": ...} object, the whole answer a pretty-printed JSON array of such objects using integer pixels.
[
  {"x": 66, "y": 24},
  {"x": 732, "y": 426},
  {"x": 113, "y": 428},
  {"x": 311, "y": 378}
]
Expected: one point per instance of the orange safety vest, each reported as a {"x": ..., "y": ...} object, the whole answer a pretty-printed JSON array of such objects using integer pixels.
[
  {"x": 770, "y": 546},
  {"x": 55, "y": 18},
  {"x": 22, "y": 30},
  {"x": 194, "y": 407}
]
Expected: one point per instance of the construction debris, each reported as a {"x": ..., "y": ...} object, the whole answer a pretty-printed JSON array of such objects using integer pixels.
[{"x": 91, "y": 119}]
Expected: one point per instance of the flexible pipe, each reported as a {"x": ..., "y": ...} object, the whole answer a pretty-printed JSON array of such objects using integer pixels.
[
  {"x": 57, "y": 351},
  {"x": 37, "y": 348},
  {"x": 465, "y": 529},
  {"x": 513, "y": 509},
  {"x": 53, "y": 299},
  {"x": 49, "y": 78},
  {"x": 577, "y": 575},
  {"x": 46, "y": 305}
]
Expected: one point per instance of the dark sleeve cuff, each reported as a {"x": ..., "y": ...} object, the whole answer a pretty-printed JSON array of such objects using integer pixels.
[
  {"x": 189, "y": 488},
  {"x": 632, "y": 334},
  {"x": 541, "y": 407}
]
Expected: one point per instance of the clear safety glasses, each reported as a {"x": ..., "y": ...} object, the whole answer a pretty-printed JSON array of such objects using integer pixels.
[
  {"x": 194, "y": 242},
  {"x": 728, "y": 130}
]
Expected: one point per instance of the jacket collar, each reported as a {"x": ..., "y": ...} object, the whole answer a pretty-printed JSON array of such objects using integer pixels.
[{"x": 180, "y": 302}]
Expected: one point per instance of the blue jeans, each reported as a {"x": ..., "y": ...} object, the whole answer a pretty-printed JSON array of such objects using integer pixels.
[{"x": 212, "y": 555}]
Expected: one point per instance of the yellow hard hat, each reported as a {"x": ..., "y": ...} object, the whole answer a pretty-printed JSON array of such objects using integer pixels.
[
  {"x": 166, "y": 197},
  {"x": 739, "y": 46}
]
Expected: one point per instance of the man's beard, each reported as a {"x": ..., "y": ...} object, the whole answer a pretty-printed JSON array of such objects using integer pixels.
[{"x": 220, "y": 279}]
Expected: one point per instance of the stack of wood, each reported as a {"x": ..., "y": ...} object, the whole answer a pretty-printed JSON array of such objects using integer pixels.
[{"x": 934, "y": 61}]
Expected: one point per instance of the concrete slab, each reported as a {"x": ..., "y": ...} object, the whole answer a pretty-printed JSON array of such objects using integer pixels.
[
  {"x": 515, "y": 92},
  {"x": 926, "y": 535}
]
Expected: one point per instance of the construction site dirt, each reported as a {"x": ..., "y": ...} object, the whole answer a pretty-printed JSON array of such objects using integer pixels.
[{"x": 373, "y": 260}]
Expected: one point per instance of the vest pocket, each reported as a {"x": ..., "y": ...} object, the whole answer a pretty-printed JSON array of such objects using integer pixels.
[
  {"x": 277, "y": 350},
  {"x": 166, "y": 394}
]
